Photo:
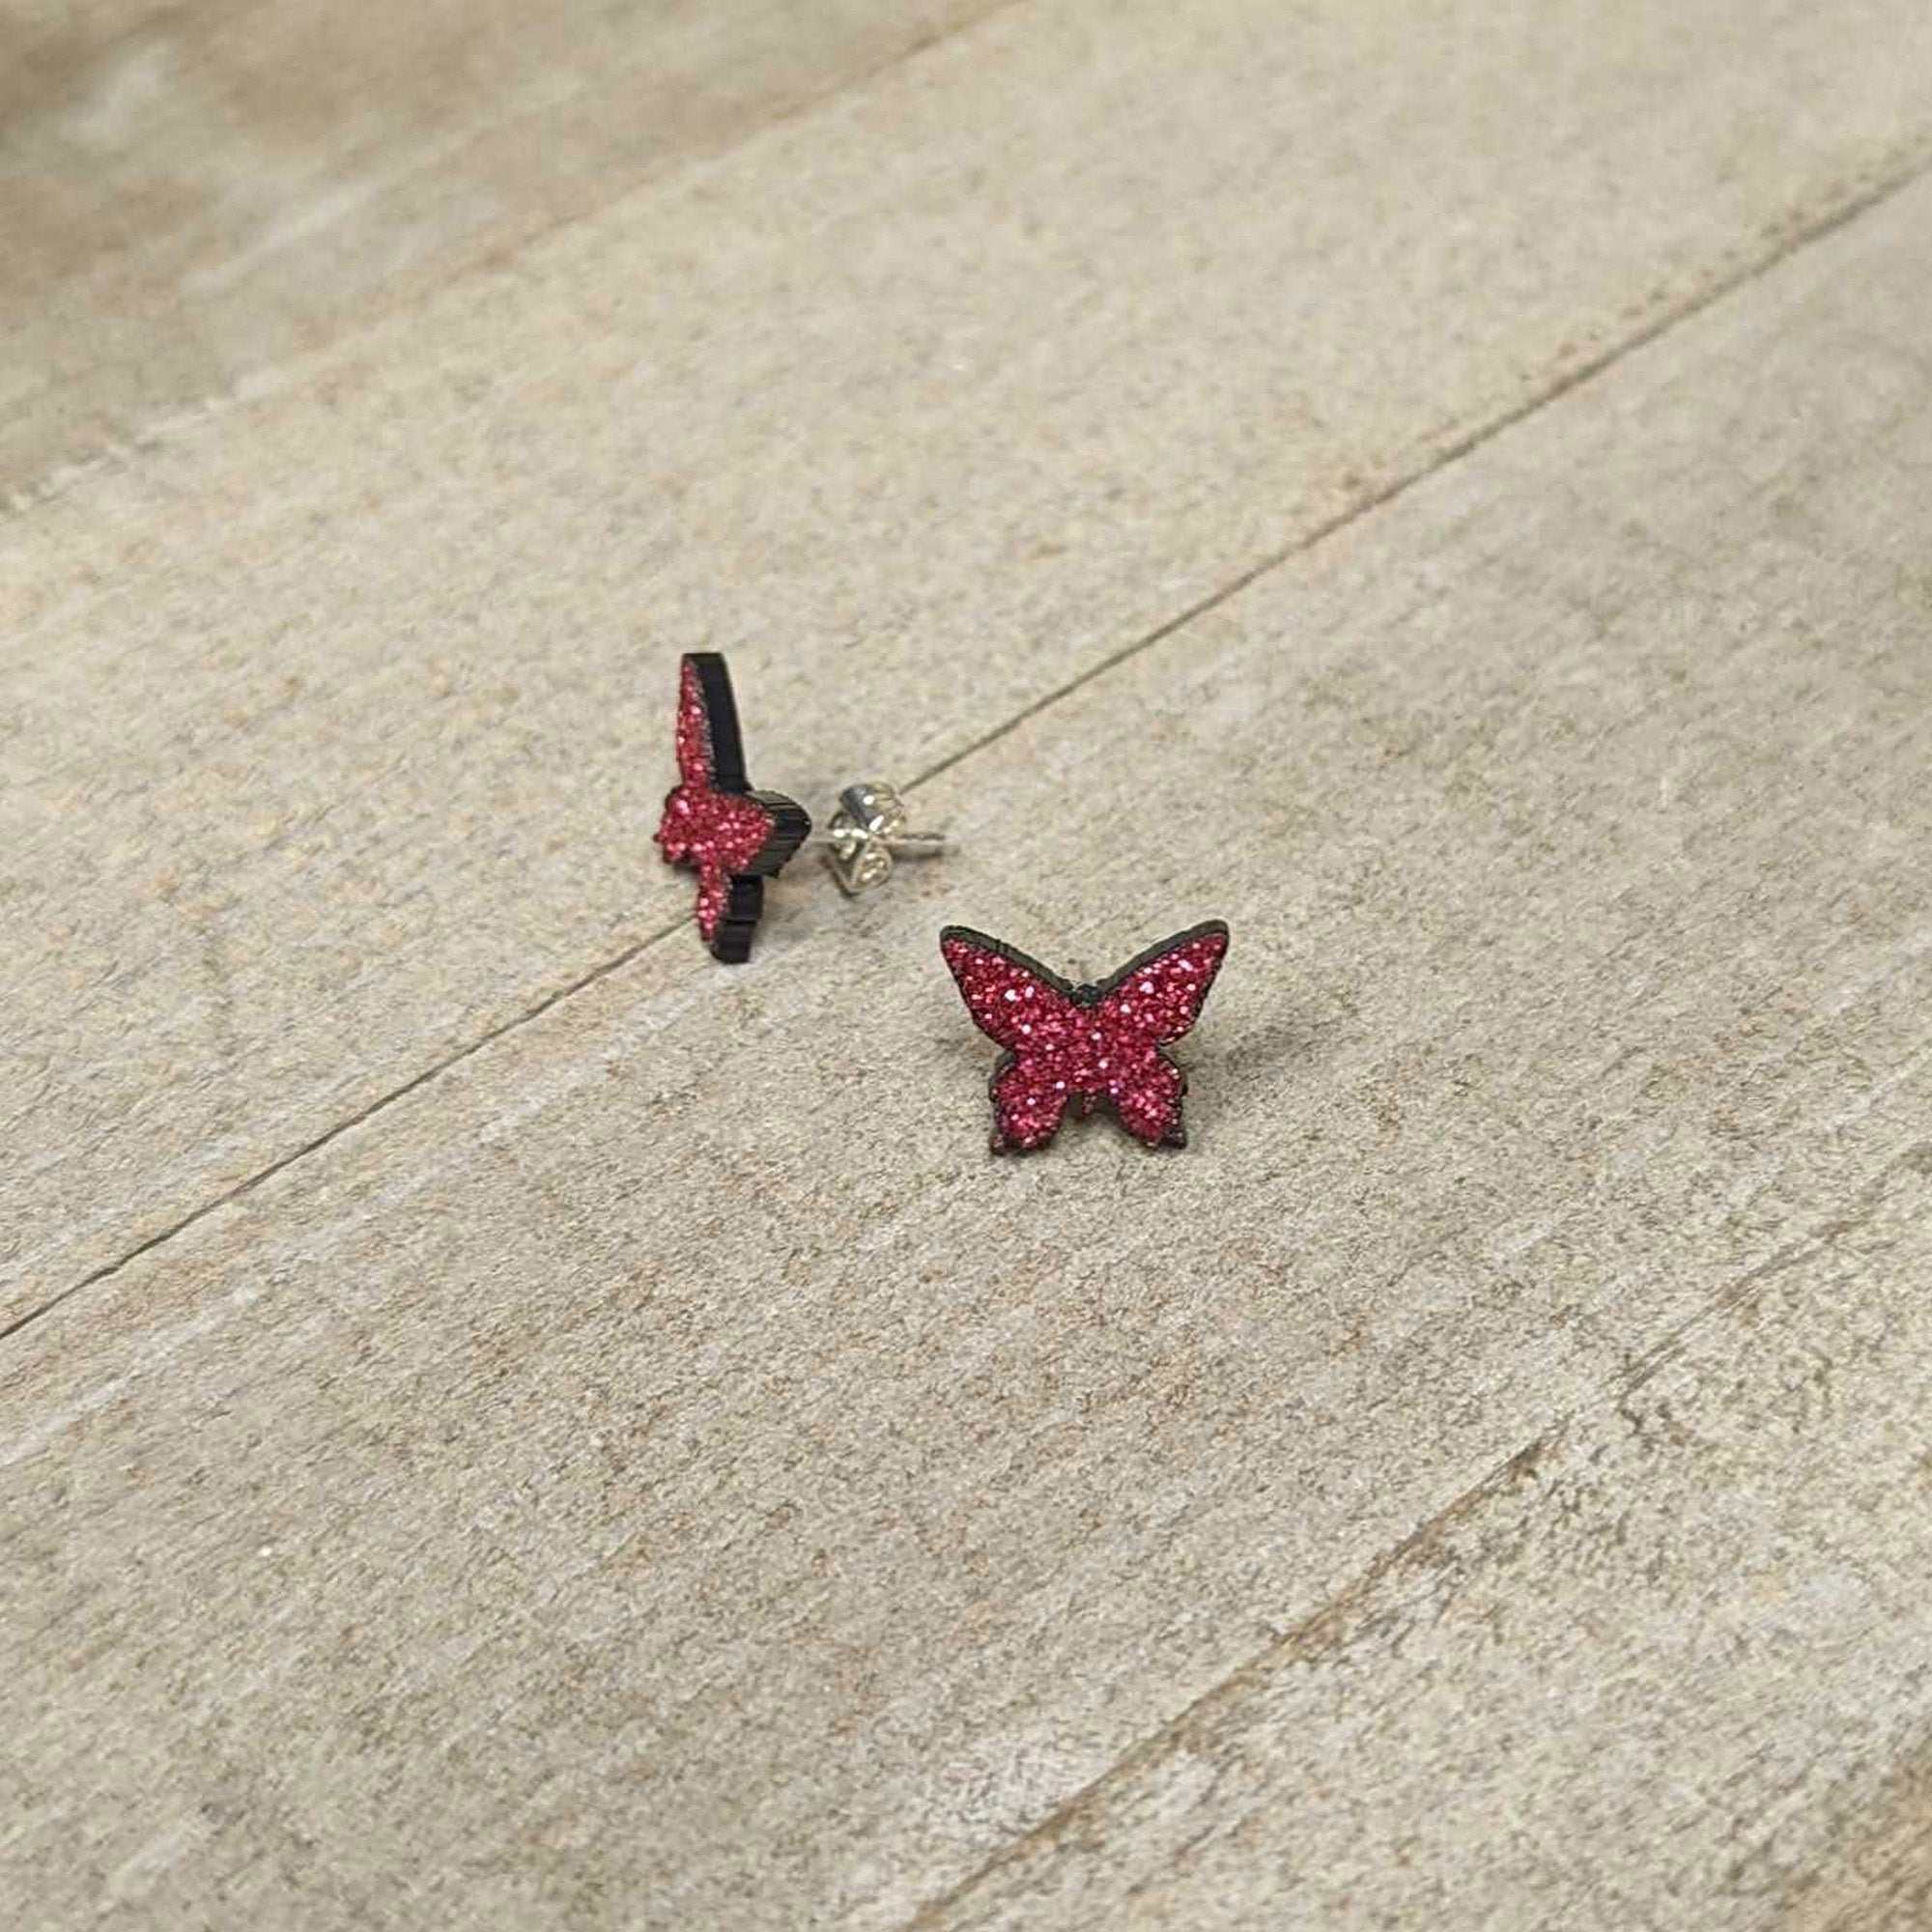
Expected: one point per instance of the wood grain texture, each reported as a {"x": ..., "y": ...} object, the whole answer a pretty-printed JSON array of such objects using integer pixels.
[
  {"x": 1671, "y": 1666},
  {"x": 191, "y": 195},
  {"x": 662, "y": 1473},
  {"x": 1877, "y": 1875},
  {"x": 333, "y": 723}
]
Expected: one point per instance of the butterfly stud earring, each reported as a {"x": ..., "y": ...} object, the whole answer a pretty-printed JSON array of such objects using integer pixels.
[
  {"x": 1076, "y": 1046},
  {"x": 733, "y": 838}
]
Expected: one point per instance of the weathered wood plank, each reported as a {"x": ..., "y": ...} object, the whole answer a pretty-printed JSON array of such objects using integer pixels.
[
  {"x": 664, "y": 1473},
  {"x": 1672, "y": 1667},
  {"x": 332, "y": 727},
  {"x": 191, "y": 194}
]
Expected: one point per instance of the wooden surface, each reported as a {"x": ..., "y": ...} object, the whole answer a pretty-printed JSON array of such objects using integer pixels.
[
  {"x": 192, "y": 195},
  {"x": 505, "y": 1422}
]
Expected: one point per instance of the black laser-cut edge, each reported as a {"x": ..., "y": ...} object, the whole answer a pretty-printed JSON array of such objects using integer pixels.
[
  {"x": 724, "y": 747},
  {"x": 1083, "y": 1104},
  {"x": 722, "y": 740}
]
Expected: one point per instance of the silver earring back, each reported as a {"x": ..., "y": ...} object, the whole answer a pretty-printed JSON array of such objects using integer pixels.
[{"x": 867, "y": 834}]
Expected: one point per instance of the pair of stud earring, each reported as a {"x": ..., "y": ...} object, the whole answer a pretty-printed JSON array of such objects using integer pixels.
[{"x": 1067, "y": 1049}]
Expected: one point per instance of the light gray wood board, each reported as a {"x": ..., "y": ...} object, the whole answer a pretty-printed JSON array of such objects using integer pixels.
[
  {"x": 335, "y": 726},
  {"x": 1671, "y": 1667},
  {"x": 663, "y": 1472},
  {"x": 188, "y": 195},
  {"x": 1877, "y": 1876}
]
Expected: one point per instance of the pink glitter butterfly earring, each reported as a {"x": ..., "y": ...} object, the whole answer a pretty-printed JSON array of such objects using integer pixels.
[
  {"x": 735, "y": 839},
  {"x": 1077, "y": 1046}
]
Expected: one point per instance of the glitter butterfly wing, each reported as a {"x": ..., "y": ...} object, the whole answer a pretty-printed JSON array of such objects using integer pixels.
[
  {"x": 1152, "y": 1001},
  {"x": 731, "y": 837},
  {"x": 1034, "y": 1013},
  {"x": 1075, "y": 1047}
]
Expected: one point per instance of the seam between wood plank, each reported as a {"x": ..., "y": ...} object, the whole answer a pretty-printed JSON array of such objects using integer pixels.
[
  {"x": 1443, "y": 459},
  {"x": 337, "y": 1130},
  {"x": 1454, "y": 452}
]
